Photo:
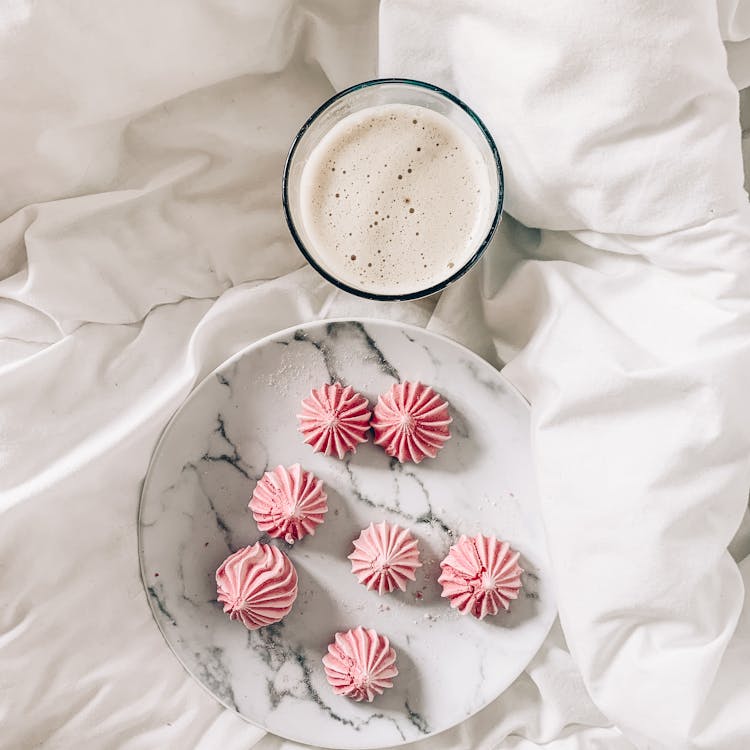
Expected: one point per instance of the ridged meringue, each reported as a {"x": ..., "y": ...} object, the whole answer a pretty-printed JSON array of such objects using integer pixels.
[
  {"x": 289, "y": 503},
  {"x": 334, "y": 419},
  {"x": 360, "y": 664},
  {"x": 480, "y": 574},
  {"x": 411, "y": 422},
  {"x": 385, "y": 556},
  {"x": 257, "y": 585}
]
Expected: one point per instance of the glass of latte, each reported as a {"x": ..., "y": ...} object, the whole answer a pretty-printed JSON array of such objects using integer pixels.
[{"x": 393, "y": 189}]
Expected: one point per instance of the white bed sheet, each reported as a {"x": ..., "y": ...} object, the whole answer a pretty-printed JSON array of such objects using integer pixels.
[{"x": 142, "y": 243}]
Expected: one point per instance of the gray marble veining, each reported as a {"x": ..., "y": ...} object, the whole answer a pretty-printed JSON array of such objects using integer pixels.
[{"x": 240, "y": 422}]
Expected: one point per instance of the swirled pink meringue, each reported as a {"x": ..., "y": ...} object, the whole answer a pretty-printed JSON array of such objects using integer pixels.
[
  {"x": 479, "y": 575},
  {"x": 385, "y": 556},
  {"x": 334, "y": 419},
  {"x": 289, "y": 503},
  {"x": 257, "y": 585},
  {"x": 411, "y": 422},
  {"x": 360, "y": 664}
]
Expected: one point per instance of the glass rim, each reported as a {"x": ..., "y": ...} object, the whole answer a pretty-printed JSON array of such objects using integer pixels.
[{"x": 400, "y": 297}]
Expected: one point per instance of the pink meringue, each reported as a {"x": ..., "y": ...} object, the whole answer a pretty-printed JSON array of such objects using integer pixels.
[
  {"x": 411, "y": 422},
  {"x": 480, "y": 574},
  {"x": 289, "y": 503},
  {"x": 385, "y": 556},
  {"x": 360, "y": 664},
  {"x": 257, "y": 585},
  {"x": 334, "y": 419}
]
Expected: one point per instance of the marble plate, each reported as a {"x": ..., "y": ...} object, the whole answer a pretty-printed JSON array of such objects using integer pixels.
[{"x": 239, "y": 422}]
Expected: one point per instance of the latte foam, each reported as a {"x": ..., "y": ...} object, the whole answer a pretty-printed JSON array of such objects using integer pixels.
[{"x": 395, "y": 199}]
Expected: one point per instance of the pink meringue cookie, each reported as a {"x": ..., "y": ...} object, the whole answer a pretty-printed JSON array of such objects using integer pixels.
[
  {"x": 479, "y": 575},
  {"x": 360, "y": 664},
  {"x": 411, "y": 422},
  {"x": 289, "y": 503},
  {"x": 257, "y": 585},
  {"x": 334, "y": 419},
  {"x": 385, "y": 557}
]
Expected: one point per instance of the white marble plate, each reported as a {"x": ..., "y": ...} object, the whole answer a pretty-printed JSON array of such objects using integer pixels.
[{"x": 239, "y": 422}]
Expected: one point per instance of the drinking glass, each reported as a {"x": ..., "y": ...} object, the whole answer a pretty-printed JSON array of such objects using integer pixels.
[{"x": 385, "y": 91}]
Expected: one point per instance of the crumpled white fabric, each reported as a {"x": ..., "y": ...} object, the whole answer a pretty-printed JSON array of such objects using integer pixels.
[{"x": 142, "y": 242}]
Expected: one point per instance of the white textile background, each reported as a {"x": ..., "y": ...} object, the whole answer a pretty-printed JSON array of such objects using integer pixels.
[{"x": 142, "y": 242}]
